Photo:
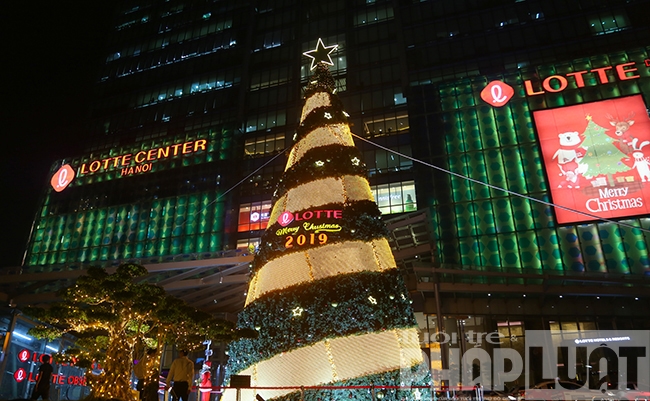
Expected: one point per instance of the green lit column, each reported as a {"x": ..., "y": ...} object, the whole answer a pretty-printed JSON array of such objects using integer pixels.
[
  {"x": 590, "y": 244},
  {"x": 167, "y": 222},
  {"x": 179, "y": 222},
  {"x": 217, "y": 225},
  {"x": 131, "y": 224}
]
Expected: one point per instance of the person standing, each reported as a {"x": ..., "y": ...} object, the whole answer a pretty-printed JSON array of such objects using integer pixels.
[
  {"x": 182, "y": 374},
  {"x": 42, "y": 388}
]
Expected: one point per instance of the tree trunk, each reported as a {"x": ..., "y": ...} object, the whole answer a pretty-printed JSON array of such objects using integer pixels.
[
  {"x": 610, "y": 180},
  {"x": 115, "y": 381}
]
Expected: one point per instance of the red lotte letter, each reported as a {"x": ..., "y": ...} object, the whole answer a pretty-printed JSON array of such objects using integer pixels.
[
  {"x": 602, "y": 75},
  {"x": 529, "y": 89},
  {"x": 547, "y": 83},
  {"x": 622, "y": 72},
  {"x": 580, "y": 81}
]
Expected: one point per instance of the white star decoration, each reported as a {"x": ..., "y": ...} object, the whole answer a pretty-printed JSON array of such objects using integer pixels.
[
  {"x": 321, "y": 54},
  {"x": 319, "y": 163},
  {"x": 328, "y": 115},
  {"x": 356, "y": 161},
  {"x": 372, "y": 300},
  {"x": 297, "y": 311}
]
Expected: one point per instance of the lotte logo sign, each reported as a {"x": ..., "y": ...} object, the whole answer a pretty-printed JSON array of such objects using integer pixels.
[
  {"x": 62, "y": 178},
  {"x": 497, "y": 93},
  {"x": 285, "y": 219},
  {"x": 23, "y": 356},
  {"x": 20, "y": 375}
]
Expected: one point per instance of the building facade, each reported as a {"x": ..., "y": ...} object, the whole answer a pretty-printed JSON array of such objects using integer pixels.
[{"x": 519, "y": 126}]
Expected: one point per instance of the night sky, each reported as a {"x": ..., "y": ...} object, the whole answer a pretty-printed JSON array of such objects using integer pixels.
[{"x": 52, "y": 55}]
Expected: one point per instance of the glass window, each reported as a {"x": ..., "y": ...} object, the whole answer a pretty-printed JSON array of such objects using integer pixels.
[
  {"x": 248, "y": 244},
  {"x": 399, "y": 99},
  {"x": 269, "y": 78},
  {"x": 263, "y": 182},
  {"x": 266, "y": 121},
  {"x": 382, "y": 162},
  {"x": 264, "y": 145},
  {"x": 512, "y": 335},
  {"x": 396, "y": 197},
  {"x": 113, "y": 56},
  {"x": 386, "y": 126},
  {"x": 254, "y": 216},
  {"x": 605, "y": 23},
  {"x": 23, "y": 367},
  {"x": 373, "y": 15}
]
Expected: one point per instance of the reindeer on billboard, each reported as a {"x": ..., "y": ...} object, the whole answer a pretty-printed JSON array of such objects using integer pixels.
[
  {"x": 628, "y": 143},
  {"x": 631, "y": 145}
]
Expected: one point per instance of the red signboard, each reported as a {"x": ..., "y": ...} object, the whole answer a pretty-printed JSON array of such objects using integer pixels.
[
  {"x": 597, "y": 158},
  {"x": 23, "y": 355},
  {"x": 20, "y": 374},
  {"x": 558, "y": 83},
  {"x": 497, "y": 93},
  {"x": 62, "y": 178}
]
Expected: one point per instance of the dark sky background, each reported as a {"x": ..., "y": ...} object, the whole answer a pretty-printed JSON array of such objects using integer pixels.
[{"x": 52, "y": 55}]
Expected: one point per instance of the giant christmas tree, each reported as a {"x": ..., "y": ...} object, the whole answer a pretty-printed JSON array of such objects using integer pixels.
[{"x": 325, "y": 294}]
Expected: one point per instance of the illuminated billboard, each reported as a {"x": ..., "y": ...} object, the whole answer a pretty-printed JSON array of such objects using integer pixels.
[
  {"x": 597, "y": 158},
  {"x": 140, "y": 162},
  {"x": 253, "y": 216},
  {"x": 125, "y": 162}
]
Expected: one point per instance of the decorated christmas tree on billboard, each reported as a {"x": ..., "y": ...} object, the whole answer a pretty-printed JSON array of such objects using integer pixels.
[
  {"x": 325, "y": 294},
  {"x": 602, "y": 156}
]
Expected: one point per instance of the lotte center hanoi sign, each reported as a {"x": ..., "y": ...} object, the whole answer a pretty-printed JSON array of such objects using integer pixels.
[{"x": 126, "y": 164}]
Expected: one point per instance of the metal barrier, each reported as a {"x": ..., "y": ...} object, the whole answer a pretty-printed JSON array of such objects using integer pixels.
[{"x": 376, "y": 392}]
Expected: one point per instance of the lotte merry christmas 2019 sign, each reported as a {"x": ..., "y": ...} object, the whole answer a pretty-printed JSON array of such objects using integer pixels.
[{"x": 597, "y": 158}]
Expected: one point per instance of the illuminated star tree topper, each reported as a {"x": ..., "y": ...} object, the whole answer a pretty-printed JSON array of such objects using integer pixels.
[{"x": 321, "y": 54}]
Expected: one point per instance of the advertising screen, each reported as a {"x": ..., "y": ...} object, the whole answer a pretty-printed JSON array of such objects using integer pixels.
[
  {"x": 597, "y": 158},
  {"x": 254, "y": 216}
]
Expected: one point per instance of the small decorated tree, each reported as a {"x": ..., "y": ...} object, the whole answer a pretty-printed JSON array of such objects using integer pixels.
[
  {"x": 110, "y": 313},
  {"x": 602, "y": 156}
]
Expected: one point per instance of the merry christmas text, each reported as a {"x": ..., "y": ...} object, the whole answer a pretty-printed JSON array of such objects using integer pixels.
[{"x": 612, "y": 199}]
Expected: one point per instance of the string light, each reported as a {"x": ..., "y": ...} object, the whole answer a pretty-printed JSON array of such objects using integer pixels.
[
  {"x": 330, "y": 358},
  {"x": 310, "y": 266},
  {"x": 120, "y": 319}
]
